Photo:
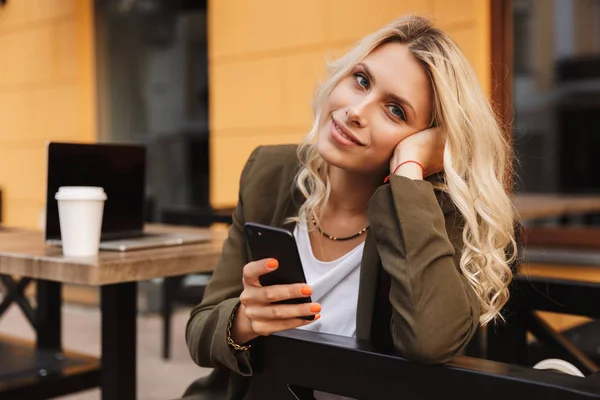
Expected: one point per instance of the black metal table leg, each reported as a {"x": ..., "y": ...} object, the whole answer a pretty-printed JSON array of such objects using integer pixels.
[
  {"x": 15, "y": 293},
  {"x": 167, "y": 311},
  {"x": 119, "y": 340},
  {"x": 171, "y": 285},
  {"x": 48, "y": 315}
]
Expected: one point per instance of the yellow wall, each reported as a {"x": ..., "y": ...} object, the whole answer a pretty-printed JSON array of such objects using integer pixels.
[
  {"x": 265, "y": 57},
  {"x": 46, "y": 93}
]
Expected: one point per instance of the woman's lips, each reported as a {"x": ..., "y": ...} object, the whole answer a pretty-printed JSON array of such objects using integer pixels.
[{"x": 339, "y": 135}]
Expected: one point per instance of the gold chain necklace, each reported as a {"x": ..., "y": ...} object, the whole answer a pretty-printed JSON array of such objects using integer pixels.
[{"x": 328, "y": 236}]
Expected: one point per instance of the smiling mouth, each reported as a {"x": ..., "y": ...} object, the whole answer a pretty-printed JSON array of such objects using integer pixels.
[{"x": 344, "y": 134}]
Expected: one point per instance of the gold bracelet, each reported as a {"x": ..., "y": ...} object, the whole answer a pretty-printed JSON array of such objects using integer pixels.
[{"x": 230, "y": 341}]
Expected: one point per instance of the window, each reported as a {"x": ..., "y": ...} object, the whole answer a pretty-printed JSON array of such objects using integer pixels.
[
  {"x": 556, "y": 94},
  {"x": 153, "y": 89}
]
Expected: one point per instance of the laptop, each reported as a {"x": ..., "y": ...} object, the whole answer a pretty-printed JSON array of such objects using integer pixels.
[{"x": 121, "y": 170}]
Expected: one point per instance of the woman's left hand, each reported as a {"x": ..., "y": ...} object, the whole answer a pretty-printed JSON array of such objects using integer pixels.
[{"x": 425, "y": 147}]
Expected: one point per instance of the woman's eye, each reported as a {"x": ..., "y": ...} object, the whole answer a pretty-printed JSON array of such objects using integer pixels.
[
  {"x": 361, "y": 80},
  {"x": 397, "y": 112}
]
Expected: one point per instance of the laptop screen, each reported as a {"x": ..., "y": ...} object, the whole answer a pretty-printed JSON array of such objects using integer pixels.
[{"x": 118, "y": 168}]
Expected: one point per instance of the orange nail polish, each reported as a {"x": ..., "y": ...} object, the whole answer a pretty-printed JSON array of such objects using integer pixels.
[
  {"x": 315, "y": 308},
  {"x": 306, "y": 290},
  {"x": 317, "y": 317},
  {"x": 272, "y": 264}
]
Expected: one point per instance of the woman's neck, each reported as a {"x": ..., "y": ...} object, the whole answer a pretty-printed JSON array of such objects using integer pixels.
[{"x": 350, "y": 192}]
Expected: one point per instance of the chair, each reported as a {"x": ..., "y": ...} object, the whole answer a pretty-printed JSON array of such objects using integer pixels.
[
  {"x": 329, "y": 363},
  {"x": 568, "y": 246},
  {"x": 288, "y": 365}
]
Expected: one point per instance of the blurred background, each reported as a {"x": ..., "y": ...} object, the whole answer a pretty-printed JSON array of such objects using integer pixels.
[
  {"x": 556, "y": 95},
  {"x": 201, "y": 83}
]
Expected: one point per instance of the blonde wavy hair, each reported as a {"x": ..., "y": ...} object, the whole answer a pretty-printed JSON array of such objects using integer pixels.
[{"x": 476, "y": 155}]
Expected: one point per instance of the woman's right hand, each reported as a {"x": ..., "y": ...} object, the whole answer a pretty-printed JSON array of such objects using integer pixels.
[{"x": 257, "y": 316}]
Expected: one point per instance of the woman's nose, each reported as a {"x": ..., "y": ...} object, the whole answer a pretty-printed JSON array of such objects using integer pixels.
[{"x": 355, "y": 116}]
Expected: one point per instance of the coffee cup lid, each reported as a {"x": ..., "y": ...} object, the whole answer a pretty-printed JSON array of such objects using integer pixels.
[{"x": 80, "y": 193}]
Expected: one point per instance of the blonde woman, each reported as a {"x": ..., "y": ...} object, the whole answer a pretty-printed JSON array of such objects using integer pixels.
[{"x": 399, "y": 187}]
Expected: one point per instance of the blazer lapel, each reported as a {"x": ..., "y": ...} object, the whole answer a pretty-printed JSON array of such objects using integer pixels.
[
  {"x": 374, "y": 311},
  {"x": 290, "y": 210},
  {"x": 367, "y": 288}
]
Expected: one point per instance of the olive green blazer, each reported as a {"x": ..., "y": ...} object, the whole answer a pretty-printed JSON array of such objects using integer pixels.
[{"x": 428, "y": 311}]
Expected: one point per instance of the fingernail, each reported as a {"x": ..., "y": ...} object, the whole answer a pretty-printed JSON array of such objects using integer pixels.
[
  {"x": 315, "y": 308},
  {"x": 317, "y": 317},
  {"x": 272, "y": 264},
  {"x": 306, "y": 290}
]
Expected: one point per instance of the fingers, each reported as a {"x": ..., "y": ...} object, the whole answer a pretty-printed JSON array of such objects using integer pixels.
[
  {"x": 253, "y": 270},
  {"x": 281, "y": 311},
  {"x": 268, "y": 327},
  {"x": 274, "y": 293},
  {"x": 266, "y": 317}
]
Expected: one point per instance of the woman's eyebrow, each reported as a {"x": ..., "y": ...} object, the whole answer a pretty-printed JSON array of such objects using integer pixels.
[{"x": 392, "y": 96}]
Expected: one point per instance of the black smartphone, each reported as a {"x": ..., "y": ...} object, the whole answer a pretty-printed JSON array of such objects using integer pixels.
[{"x": 269, "y": 242}]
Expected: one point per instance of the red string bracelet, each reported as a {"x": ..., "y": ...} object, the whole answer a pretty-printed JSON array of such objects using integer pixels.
[{"x": 387, "y": 178}]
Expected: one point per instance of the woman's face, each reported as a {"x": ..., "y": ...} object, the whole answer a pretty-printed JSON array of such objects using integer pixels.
[{"x": 384, "y": 99}]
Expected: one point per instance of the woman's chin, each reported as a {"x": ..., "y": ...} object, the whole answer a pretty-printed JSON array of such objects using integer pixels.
[
  {"x": 349, "y": 161},
  {"x": 339, "y": 159}
]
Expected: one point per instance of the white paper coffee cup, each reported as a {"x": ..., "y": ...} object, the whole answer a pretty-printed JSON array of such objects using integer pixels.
[{"x": 80, "y": 210}]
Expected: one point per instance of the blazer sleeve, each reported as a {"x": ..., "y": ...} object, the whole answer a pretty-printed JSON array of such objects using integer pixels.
[
  {"x": 435, "y": 312},
  {"x": 206, "y": 331}
]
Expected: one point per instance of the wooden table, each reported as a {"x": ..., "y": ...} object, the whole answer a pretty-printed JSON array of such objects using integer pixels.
[
  {"x": 48, "y": 371},
  {"x": 532, "y": 206}
]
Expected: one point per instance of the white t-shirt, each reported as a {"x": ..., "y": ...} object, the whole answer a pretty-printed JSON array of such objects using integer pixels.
[{"x": 335, "y": 286}]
